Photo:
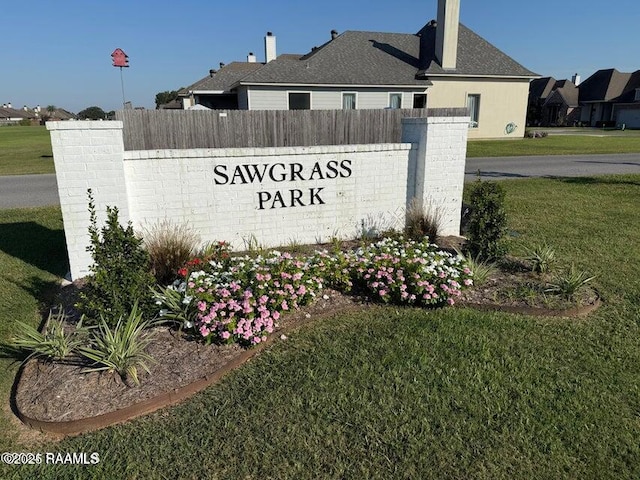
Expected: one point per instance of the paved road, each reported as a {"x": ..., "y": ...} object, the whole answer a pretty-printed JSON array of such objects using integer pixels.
[
  {"x": 37, "y": 190},
  {"x": 17, "y": 191},
  {"x": 502, "y": 168}
]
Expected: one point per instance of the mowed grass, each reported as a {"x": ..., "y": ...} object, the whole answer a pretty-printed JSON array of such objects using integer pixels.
[
  {"x": 32, "y": 262},
  {"x": 554, "y": 145},
  {"x": 25, "y": 150},
  {"x": 406, "y": 393}
]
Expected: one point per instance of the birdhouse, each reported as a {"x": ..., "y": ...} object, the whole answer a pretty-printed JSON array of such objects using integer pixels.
[{"x": 120, "y": 59}]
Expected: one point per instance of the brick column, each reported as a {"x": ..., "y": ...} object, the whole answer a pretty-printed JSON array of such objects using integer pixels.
[
  {"x": 439, "y": 163},
  {"x": 87, "y": 154}
]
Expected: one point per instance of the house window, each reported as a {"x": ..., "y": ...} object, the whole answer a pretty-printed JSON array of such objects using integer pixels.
[
  {"x": 419, "y": 100},
  {"x": 299, "y": 101},
  {"x": 395, "y": 100},
  {"x": 637, "y": 97},
  {"x": 473, "y": 104},
  {"x": 348, "y": 101}
]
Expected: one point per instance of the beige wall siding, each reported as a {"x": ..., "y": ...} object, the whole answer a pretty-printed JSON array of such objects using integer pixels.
[{"x": 501, "y": 102}]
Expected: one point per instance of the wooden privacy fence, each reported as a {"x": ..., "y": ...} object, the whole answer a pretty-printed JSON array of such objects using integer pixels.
[{"x": 183, "y": 129}]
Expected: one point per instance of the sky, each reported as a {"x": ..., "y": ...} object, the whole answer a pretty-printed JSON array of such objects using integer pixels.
[{"x": 57, "y": 52}]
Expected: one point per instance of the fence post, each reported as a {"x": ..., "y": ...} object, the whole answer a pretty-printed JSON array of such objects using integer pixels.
[
  {"x": 87, "y": 154},
  {"x": 436, "y": 176}
]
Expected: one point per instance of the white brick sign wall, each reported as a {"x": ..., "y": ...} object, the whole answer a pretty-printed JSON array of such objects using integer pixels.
[{"x": 274, "y": 196}]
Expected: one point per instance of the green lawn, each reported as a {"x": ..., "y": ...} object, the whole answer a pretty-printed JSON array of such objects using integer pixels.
[
  {"x": 399, "y": 392},
  {"x": 32, "y": 262},
  {"x": 554, "y": 145},
  {"x": 25, "y": 150}
]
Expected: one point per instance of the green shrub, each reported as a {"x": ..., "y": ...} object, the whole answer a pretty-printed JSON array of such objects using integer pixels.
[
  {"x": 482, "y": 269},
  {"x": 53, "y": 343},
  {"x": 121, "y": 349},
  {"x": 568, "y": 284},
  {"x": 121, "y": 271},
  {"x": 170, "y": 246},
  {"x": 487, "y": 221},
  {"x": 541, "y": 258}
]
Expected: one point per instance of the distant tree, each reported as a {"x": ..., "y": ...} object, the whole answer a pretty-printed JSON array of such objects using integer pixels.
[
  {"x": 91, "y": 113},
  {"x": 166, "y": 97},
  {"x": 48, "y": 113}
]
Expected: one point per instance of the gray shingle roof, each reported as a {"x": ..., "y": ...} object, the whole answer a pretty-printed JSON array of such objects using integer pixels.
[
  {"x": 604, "y": 85},
  {"x": 378, "y": 58},
  {"x": 476, "y": 56},
  {"x": 566, "y": 94},
  {"x": 14, "y": 113},
  {"x": 629, "y": 92},
  {"x": 540, "y": 88},
  {"x": 223, "y": 79}
]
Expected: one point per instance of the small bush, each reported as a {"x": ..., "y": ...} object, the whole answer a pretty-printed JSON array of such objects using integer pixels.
[
  {"x": 481, "y": 269},
  {"x": 53, "y": 343},
  {"x": 121, "y": 273},
  {"x": 121, "y": 350},
  {"x": 422, "y": 222},
  {"x": 541, "y": 258},
  {"x": 488, "y": 221},
  {"x": 568, "y": 284},
  {"x": 170, "y": 246}
]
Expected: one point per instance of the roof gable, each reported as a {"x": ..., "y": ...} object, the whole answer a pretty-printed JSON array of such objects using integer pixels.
[
  {"x": 541, "y": 88},
  {"x": 476, "y": 56},
  {"x": 603, "y": 86}
]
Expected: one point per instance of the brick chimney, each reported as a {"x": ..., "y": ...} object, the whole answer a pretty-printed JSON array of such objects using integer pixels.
[
  {"x": 269, "y": 47},
  {"x": 447, "y": 33}
]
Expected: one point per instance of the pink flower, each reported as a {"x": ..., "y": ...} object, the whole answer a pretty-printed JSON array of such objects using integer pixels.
[{"x": 225, "y": 335}]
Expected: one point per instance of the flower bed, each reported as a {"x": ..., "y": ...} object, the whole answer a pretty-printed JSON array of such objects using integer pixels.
[{"x": 227, "y": 299}]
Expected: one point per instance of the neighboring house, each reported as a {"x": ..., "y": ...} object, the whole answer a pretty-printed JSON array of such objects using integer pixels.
[
  {"x": 553, "y": 102},
  {"x": 609, "y": 97},
  {"x": 216, "y": 90},
  {"x": 444, "y": 65},
  {"x": 626, "y": 109},
  {"x": 11, "y": 116},
  {"x": 57, "y": 115}
]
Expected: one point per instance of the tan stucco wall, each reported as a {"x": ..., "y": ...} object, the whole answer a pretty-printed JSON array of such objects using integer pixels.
[{"x": 501, "y": 102}]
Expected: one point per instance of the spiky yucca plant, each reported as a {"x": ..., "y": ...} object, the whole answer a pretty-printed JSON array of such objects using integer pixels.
[{"x": 121, "y": 349}]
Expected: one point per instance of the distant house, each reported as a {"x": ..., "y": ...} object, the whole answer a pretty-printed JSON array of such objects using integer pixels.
[
  {"x": 553, "y": 102},
  {"x": 609, "y": 97},
  {"x": 445, "y": 64},
  {"x": 12, "y": 116}
]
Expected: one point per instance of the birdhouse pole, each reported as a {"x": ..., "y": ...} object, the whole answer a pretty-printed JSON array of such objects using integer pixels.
[{"x": 121, "y": 59}]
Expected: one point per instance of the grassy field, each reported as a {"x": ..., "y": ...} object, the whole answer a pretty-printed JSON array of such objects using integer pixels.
[
  {"x": 554, "y": 145},
  {"x": 25, "y": 150},
  {"x": 397, "y": 392}
]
